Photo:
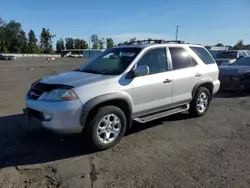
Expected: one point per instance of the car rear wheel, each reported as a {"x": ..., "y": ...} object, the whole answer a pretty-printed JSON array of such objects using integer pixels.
[
  {"x": 107, "y": 127},
  {"x": 200, "y": 102}
]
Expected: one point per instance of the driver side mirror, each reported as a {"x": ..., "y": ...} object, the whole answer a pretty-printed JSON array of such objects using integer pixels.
[{"x": 141, "y": 71}]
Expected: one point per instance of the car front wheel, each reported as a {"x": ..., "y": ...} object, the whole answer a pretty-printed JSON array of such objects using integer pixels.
[{"x": 107, "y": 127}]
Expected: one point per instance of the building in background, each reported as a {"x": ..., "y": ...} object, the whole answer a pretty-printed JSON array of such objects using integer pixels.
[
  {"x": 214, "y": 50},
  {"x": 217, "y": 48}
]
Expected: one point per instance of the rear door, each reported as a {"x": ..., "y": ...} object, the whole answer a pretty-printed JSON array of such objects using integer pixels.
[
  {"x": 209, "y": 68},
  {"x": 186, "y": 73}
]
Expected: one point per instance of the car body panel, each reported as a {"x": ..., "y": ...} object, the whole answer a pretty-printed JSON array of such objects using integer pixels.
[
  {"x": 66, "y": 114},
  {"x": 235, "y": 77}
]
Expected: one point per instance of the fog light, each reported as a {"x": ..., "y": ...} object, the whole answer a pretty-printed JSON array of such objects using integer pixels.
[{"x": 47, "y": 117}]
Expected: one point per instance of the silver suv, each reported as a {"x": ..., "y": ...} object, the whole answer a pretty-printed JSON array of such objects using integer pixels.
[{"x": 139, "y": 82}]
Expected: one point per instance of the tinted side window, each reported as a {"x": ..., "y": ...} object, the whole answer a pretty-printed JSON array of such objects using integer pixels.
[
  {"x": 203, "y": 55},
  {"x": 244, "y": 54},
  {"x": 181, "y": 58},
  {"x": 155, "y": 59}
]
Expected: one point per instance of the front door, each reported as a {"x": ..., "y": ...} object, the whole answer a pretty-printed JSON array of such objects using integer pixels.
[{"x": 152, "y": 92}]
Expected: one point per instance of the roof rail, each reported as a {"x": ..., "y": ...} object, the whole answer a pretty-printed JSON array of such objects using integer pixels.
[{"x": 155, "y": 41}]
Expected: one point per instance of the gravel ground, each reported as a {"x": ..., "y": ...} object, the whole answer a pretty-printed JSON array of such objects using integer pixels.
[{"x": 177, "y": 151}]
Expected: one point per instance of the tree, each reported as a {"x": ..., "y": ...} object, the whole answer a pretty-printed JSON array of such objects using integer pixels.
[
  {"x": 69, "y": 43},
  {"x": 247, "y": 46},
  {"x": 109, "y": 42},
  {"x": 2, "y": 35},
  {"x": 95, "y": 41},
  {"x": 14, "y": 37},
  {"x": 32, "y": 42},
  {"x": 84, "y": 44},
  {"x": 101, "y": 43},
  {"x": 46, "y": 41},
  {"x": 77, "y": 43},
  {"x": 60, "y": 45},
  {"x": 22, "y": 42},
  {"x": 239, "y": 45},
  {"x": 132, "y": 39},
  {"x": 219, "y": 45}
]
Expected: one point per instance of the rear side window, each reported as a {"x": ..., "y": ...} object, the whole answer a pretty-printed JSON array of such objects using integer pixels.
[
  {"x": 203, "y": 55},
  {"x": 181, "y": 58},
  {"x": 243, "y": 54}
]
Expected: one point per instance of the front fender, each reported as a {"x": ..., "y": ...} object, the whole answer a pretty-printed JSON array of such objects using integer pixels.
[{"x": 89, "y": 105}]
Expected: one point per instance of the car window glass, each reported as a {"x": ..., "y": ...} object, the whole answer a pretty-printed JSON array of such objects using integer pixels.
[
  {"x": 112, "y": 61},
  {"x": 203, "y": 55},
  {"x": 244, "y": 54},
  {"x": 155, "y": 59},
  {"x": 194, "y": 62},
  {"x": 227, "y": 54},
  {"x": 180, "y": 58}
]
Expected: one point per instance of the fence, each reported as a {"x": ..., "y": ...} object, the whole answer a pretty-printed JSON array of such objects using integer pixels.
[{"x": 33, "y": 55}]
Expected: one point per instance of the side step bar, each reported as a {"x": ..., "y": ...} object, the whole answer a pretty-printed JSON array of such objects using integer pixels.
[{"x": 150, "y": 117}]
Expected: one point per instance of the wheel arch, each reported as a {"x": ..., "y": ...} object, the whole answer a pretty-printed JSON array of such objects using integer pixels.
[
  {"x": 116, "y": 99},
  {"x": 207, "y": 84}
]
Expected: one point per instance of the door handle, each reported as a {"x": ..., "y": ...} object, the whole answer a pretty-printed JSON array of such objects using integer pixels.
[
  {"x": 167, "y": 81},
  {"x": 198, "y": 75}
]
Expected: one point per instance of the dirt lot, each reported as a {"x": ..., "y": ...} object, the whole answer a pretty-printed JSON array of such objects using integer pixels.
[{"x": 211, "y": 151}]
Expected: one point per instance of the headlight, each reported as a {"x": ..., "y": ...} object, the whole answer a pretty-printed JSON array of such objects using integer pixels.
[{"x": 61, "y": 95}]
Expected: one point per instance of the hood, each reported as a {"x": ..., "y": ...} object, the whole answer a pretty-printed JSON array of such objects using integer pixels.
[
  {"x": 234, "y": 70},
  {"x": 74, "y": 78}
]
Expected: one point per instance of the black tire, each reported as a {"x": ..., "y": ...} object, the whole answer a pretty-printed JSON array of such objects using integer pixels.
[
  {"x": 94, "y": 122},
  {"x": 193, "y": 110}
]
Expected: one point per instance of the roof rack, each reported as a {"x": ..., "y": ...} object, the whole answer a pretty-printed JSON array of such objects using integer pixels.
[{"x": 155, "y": 41}]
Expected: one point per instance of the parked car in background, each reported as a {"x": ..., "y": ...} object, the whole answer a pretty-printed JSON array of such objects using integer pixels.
[
  {"x": 5, "y": 57},
  {"x": 229, "y": 56},
  {"x": 236, "y": 76},
  {"x": 11, "y": 57},
  {"x": 2, "y": 57},
  {"x": 137, "y": 82},
  {"x": 214, "y": 52}
]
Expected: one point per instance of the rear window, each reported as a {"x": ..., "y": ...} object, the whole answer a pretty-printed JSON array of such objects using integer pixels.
[
  {"x": 206, "y": 57},
  {"x": 228, "y": 54}
]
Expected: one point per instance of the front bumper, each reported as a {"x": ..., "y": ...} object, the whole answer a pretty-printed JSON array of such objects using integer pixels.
[{"x": 65, "y": 115}]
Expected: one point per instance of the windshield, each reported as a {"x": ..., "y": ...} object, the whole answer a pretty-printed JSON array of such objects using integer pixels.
[
  {"x": 214, "y": 53},
  {"x": 227, "y": 54},
  {"x": 113, "y": 61},
  {"x": 244, "y": 61}
]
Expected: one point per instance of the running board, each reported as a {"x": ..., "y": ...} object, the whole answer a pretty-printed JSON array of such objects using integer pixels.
[{"x": 147, "y": 118}]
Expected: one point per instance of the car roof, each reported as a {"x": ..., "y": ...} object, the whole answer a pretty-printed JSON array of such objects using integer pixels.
[{"x": 156, "y": 44}]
